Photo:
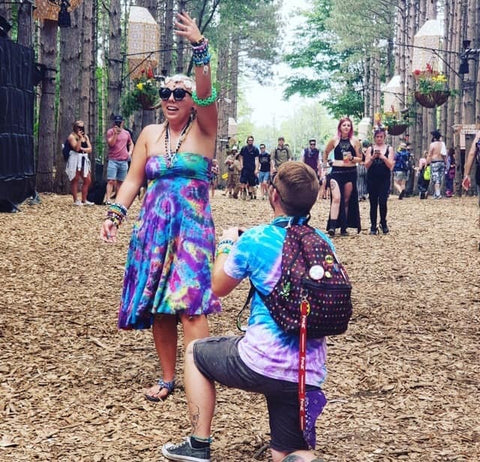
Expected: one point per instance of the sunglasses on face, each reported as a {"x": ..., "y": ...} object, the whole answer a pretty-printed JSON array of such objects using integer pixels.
[{"x": 178, "y": 93}]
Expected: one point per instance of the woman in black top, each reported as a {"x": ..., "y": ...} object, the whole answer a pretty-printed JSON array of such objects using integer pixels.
[
  {"x": 379, "y": 162},
  {"x": 342, "y": 180}
]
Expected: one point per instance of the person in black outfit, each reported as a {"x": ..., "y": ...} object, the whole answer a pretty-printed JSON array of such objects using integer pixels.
[
  {"x": 379, "y": 163},
  {"x": 250, "y": 164},
  {"x": 342, "y": 180},
  {"x": 266, "y": 167}
]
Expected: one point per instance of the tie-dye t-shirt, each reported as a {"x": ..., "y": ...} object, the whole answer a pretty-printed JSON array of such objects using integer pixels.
[{"x": 265, "y": 348}]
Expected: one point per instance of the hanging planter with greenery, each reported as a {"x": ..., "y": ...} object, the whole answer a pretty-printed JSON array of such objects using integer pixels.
[
  {"x": 396, "y": 122},
  {"x": 432, "y": 87},
  {"x": 144, "y": 95}
]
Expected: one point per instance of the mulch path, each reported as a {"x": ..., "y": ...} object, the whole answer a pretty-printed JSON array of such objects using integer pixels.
[{"x": 403, "y": 381}]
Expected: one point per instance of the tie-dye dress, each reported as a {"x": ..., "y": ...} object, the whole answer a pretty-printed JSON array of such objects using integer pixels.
[{"x": 170, "y": 256}]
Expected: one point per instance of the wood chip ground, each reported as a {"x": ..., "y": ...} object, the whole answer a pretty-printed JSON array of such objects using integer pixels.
[{"x": 403, "y": 382}]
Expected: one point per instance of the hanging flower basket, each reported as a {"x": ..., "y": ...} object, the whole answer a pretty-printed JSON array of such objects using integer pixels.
[
  {"x": 432, "y": 99},
  {"x": 397, "y": 129},
  {"x": 146, "y": 102},
  {"x": 143, "y": 95}
]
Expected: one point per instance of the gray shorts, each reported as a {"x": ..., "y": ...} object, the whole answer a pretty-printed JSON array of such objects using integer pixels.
[
  {"x": 437, "y": 168},
  {"x": 400, "y": 176},
  {"x": 217, "y": 358}
]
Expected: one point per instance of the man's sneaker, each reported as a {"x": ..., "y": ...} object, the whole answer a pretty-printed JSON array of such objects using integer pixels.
[
  {"x": 88, "y": 203},
  {"x": 185, "y": 451},
  {"x": 78, "y": 203}
]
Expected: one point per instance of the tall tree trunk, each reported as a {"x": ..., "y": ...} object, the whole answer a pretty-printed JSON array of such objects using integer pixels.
[
  {"x": 46, "y": 118},
  {"x": 222, "y": 76},
  {"x": 180, "y": 44},
  {"x": 233, "y": 90},
  {"x": 94, "y": 106},
  {"x": 70, "y": 46},
  {"x": 469, "y": 83},
  {"x": 114, "y": 60},
  {"x": 167, "y": 39},
  {"x": 25, "y": 24},
  {"x": 474, "y": 63},
  {"x": 87, "y": 75}
]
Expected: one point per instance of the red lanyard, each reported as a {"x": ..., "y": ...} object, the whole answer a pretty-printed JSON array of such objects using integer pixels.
[{"x": 302, "y": 359}]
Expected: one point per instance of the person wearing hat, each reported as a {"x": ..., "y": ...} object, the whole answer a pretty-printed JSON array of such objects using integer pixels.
[
  {"x": 437, "y": 155},
  {"x": 120, "y": 148},
  {"x": 400, "y": 169},
  {"x": 234, "y": 168}
]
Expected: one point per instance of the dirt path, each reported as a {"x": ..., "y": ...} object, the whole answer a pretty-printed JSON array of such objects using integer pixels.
[{"x": 403, "y": 382}]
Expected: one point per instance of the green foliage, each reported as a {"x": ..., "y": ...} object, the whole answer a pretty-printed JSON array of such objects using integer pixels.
[
  {"x": 332, "y": 48},
  {"x": 345, "y": 101},
  {"x": 256, "y": 25},
  {"x": 143, "y": 94}
]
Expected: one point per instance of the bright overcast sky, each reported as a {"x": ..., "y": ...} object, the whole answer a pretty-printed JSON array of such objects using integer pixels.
[{"x": 266, "y": 101}]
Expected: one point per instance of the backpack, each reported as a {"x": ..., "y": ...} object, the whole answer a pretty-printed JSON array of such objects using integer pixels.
[
  {"x": 66, "y": 148},
  {"x": 427, "y": 173},
  {"x": 312, "y": 278}
]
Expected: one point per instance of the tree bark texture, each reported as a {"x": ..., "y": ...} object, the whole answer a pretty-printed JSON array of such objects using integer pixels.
[
  {"x": 46, "y": 121},
  {"x": 114, "y": 60},
  {"x": 70, "y": 46},
  {"x": 25, "y": 24}
]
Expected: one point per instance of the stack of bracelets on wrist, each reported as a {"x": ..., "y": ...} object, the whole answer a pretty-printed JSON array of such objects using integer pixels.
[
  {"x": 224, "y": 246},
  {"x": 116, "y": 213},
  {"x": 201, "y": 56}
]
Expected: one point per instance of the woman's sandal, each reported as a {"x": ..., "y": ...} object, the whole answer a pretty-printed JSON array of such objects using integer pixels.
[{"x": 169, "y": 386}]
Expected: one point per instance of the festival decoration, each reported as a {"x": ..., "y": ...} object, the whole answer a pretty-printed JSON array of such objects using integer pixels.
[
  {"x": 431, "y": 87},
  {"x": 48, "y": 9},
  {"x": 143, "y": 41},
  {"x": 143, "y": 95}
]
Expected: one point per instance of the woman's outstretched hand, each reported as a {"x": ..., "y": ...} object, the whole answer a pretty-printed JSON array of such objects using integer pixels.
[{"x": 187, "y": 27}]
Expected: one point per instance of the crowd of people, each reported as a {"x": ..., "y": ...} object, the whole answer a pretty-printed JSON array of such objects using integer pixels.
[{"x": 176, "y": 273}]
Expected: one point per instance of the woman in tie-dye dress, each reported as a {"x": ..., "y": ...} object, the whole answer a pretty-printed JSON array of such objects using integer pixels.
[{"x": 167, "y": 275}]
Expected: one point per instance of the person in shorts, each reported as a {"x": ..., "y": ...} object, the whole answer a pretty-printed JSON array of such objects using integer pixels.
[
  {"x": 266, "y": 166},
  {"x": 437, "y": 156},
  {"x": 266, "y": 359},
  {"x": 120, "y": 148},
  {"x": 400, "y": 169}
]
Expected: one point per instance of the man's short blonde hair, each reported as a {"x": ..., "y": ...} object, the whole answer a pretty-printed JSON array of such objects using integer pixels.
[{"x": 297, "y": 185}]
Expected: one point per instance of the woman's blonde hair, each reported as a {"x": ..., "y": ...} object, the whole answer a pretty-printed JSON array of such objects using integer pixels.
[
  {"x": 77, "y": 124},
  {"x": 187, "y": 81}
]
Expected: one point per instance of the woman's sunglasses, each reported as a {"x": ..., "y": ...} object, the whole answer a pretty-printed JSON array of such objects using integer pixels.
[{"x": 178, "y": 93}]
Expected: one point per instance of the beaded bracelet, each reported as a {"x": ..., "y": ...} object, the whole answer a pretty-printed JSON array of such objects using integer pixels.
[
  {"x": 206, "y": 101},
  {"x": 198, "y": 42},
  {"x": 201, "y": 56},
  {"x": 116, "y": 213},
  {"x": 225, "y": 241},
  {"x": 226, "y": 249}
]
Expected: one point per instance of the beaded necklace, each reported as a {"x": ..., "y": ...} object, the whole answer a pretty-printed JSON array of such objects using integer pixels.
[{"x": 170, "y": 157}]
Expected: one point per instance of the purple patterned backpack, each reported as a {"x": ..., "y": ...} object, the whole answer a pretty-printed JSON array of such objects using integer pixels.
[{"x": 312, "y": 275}]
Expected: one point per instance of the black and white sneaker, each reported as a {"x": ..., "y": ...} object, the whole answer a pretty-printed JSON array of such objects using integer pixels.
[{"x": 185, "y": 451}]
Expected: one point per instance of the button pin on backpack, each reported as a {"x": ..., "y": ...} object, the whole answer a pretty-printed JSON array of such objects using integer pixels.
[
  {"x": 285, "y": 292},
  {"x": 316, "y": 272}
]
